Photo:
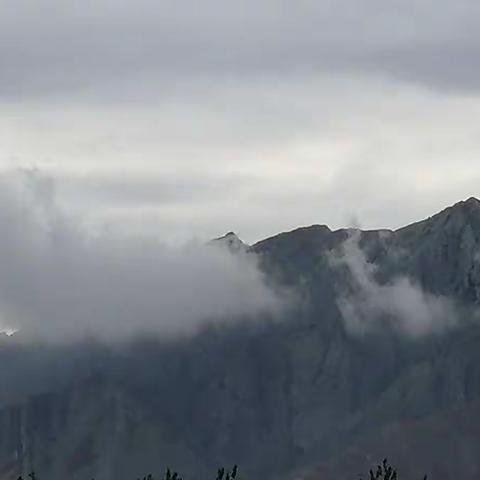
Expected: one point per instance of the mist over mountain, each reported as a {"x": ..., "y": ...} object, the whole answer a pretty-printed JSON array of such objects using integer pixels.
[
  {"x": 376, "y": 355},
  {"x": 62, "y": 282}
]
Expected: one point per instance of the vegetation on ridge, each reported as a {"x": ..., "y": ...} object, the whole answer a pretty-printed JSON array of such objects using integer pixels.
[{"x": 384, "y": 471}]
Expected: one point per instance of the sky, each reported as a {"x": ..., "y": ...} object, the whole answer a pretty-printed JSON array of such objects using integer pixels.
[{"x": 190, "y": 119}]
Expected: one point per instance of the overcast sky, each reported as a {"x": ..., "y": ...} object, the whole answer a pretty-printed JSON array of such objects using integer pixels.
[{"x": 190, "y": 119}]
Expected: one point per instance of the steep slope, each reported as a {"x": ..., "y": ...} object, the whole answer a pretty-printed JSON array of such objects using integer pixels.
[
  {"x": 443, "y": 445},
  {"x": 444, "y": 251}
]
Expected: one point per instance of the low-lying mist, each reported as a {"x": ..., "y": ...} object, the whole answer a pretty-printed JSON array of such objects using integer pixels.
[
  {"x": 401, "y": 304},
  {"x": 61, "y": 282}
]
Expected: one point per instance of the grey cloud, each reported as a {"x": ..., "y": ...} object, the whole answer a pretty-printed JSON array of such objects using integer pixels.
[
  {"x": 400, "y": 304},
  {"x": 60, "y": 282},
  {"x": 155, "y": 190},
  {"x": 51, "y": 45},
  {"x": 305, "y": 149},
  {"x": 444, "y": 66}
]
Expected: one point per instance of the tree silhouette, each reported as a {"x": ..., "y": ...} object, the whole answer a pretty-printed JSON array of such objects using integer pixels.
[{"x": 385, "y": 471}]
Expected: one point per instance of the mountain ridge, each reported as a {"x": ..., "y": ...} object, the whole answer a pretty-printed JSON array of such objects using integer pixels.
[
  {"x": 461, "y": 208},
  {"x": 300, "y": 397}
]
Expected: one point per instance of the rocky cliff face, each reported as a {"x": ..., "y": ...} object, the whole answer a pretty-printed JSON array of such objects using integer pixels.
[{"x": 309, "y": 396}]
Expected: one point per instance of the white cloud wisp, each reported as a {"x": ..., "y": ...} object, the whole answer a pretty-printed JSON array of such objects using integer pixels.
[{"x": 400, "y": 304}]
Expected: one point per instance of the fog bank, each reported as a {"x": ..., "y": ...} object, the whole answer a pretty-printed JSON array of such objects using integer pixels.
[{"x": 61, "y": 282}]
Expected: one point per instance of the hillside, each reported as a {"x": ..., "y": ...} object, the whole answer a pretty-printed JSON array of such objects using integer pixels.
[{"x": 378, "y": 354}]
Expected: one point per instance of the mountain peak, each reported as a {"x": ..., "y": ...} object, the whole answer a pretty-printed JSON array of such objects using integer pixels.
[
  {"x": 470, "y": 203},
  {"x": 463, "y": 212},
  {"x": 231, "y": 236},
  {"x": 232, "y": 241},
  {"x": 455, "y": 217}
]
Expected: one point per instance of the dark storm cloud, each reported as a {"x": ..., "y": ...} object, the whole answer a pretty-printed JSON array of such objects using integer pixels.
[{"x": 52, "y": 45}]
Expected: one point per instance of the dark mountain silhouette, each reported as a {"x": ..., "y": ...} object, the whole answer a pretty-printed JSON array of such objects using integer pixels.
[{"x": 306, "y": 396}]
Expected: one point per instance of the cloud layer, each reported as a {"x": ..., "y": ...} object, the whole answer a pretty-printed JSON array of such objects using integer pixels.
[
  {"x": 51, "y": 45},
  {"x": 176, "y": 114},
  {"x": 60, "y": 282}
]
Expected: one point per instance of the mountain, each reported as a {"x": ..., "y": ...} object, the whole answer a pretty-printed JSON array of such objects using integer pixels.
[
  {"x": 232, "y": 242},
  {"x": 379, "y": 356}
]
